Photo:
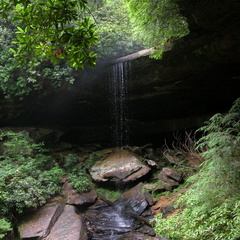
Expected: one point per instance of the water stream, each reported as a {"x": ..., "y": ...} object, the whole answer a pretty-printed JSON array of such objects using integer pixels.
[
  {"x": 108, "y": 223},
  {"x": 119, "y": 77}
]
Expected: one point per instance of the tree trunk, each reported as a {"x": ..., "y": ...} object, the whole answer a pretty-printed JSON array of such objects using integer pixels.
[{"x": 142, "y": 53}]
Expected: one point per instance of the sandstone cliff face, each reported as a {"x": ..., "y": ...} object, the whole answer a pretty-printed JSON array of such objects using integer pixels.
[{"x": 198, "y": 76}]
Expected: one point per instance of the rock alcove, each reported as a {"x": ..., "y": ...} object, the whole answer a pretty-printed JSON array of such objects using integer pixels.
[{"x": 197, "y": 77}]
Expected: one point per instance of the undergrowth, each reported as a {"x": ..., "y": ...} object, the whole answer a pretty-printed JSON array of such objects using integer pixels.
[
  {"x": 110, "y": 194},
  {"x": 27, "y": 176},
  {"x": 211, "y": 208}
]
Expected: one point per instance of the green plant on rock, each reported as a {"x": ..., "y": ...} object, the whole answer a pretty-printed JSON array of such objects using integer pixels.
[
  {"x": 76, "y": 173},
  {"x": 5, "y": 227},
  {"x": 110, "y": 194},
  {"x": 70, "y": 161},
  {"x": 80, "y": 181},
  {"x": 94, "y": 157},
  {"x": 210, "y": 209}
]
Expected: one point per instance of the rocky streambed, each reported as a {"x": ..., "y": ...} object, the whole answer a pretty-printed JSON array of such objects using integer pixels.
[{"x": 135, "y": 173}]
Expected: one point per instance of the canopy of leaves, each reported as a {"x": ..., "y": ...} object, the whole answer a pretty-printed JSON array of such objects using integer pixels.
[
  {"x": 156, "y": 21},
  {"x": 52, "y": 30},
  {"x": 114, "y": 29},
  {"x": 59, "y": 30},
  {"x": 17, "y": 80}
]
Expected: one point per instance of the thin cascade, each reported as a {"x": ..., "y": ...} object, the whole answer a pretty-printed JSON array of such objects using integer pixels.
[{"x": 119, "y": 78}]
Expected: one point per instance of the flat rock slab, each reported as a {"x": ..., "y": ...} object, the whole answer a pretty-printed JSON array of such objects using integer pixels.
[
  {"x": 69, "y": 226},
  {"x": 80, "y": 199},
  {"x": 121, "y": 166},
  {"x": 40, "y": 224}
]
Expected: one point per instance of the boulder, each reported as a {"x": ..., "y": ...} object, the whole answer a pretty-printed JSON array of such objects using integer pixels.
[
  {"x": 80, "y": 199},
  {"x": 169, "y": 178},
  {"x": 69, "y": 226},
  {"x": 135, "y": 200},
  {"x": 41, "y": 222},
  {"x": 121, "y": 166}
]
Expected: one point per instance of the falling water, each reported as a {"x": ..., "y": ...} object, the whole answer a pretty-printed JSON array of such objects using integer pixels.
[{"x": 119, "y": 78}]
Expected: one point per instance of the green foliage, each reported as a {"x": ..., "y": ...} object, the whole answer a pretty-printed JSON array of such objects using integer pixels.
[
  {"x": 110, "y": 194},
  {"x": 52, "y": 30},
  {"x": 222, "y": 222},
  {"x": 5, "y": 227},
  {"x": 114, "y": 28},
  {"x": 27, "y": 177},
  {"x": 16, "y": 80},
  {"x": 70, "y": 161},
  {"x": 18, "y": 145},
  {"x": 80, "y": 181},
  {"x": 211, "y": 206},
  {"x": 219, "y": 175},
  {"x": 94, "y": 157},
  {"x": 156, "y": 22}
]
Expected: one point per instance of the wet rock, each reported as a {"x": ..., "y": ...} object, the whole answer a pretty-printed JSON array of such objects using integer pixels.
[
  {"x": 121, "y": 166},
  {"x": 107, "y": 222},
  {"x": 147, "y": 230},
  {"x": 151, "y": 162},
  {"x": 69, "y": 226},
  {"x": 134, "y": 199},
  {"x": 113, "y": 220},
  {"x": 169, "y": 178},
  {"x": 80, "y": 199},
  {"x": 41, "y": 222}
]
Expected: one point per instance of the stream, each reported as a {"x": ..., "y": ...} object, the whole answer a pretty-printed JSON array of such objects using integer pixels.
[{"x": 108, "y": 223}]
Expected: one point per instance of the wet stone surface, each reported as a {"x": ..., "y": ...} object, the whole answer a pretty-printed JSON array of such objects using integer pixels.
[
  {"x": 114, "y": 220},
  {"x": 108, "y": 222}
]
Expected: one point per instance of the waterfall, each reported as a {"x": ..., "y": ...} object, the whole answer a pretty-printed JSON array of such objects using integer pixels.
[{"x": 120, "y": 75}]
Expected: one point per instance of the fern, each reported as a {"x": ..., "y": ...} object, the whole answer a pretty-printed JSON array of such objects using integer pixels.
[{"x": 210, "y": 209}]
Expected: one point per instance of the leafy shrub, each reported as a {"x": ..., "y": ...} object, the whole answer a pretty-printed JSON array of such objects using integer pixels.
[
  {"x": 211, "y": 206},
  {"x": 5, "y": 227},
  {"x": 70, "y": 161},
  {"x": 80, "y": 180},
  {"x": 27, "y": 177},
  {"x": 221, "y": 222}
]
